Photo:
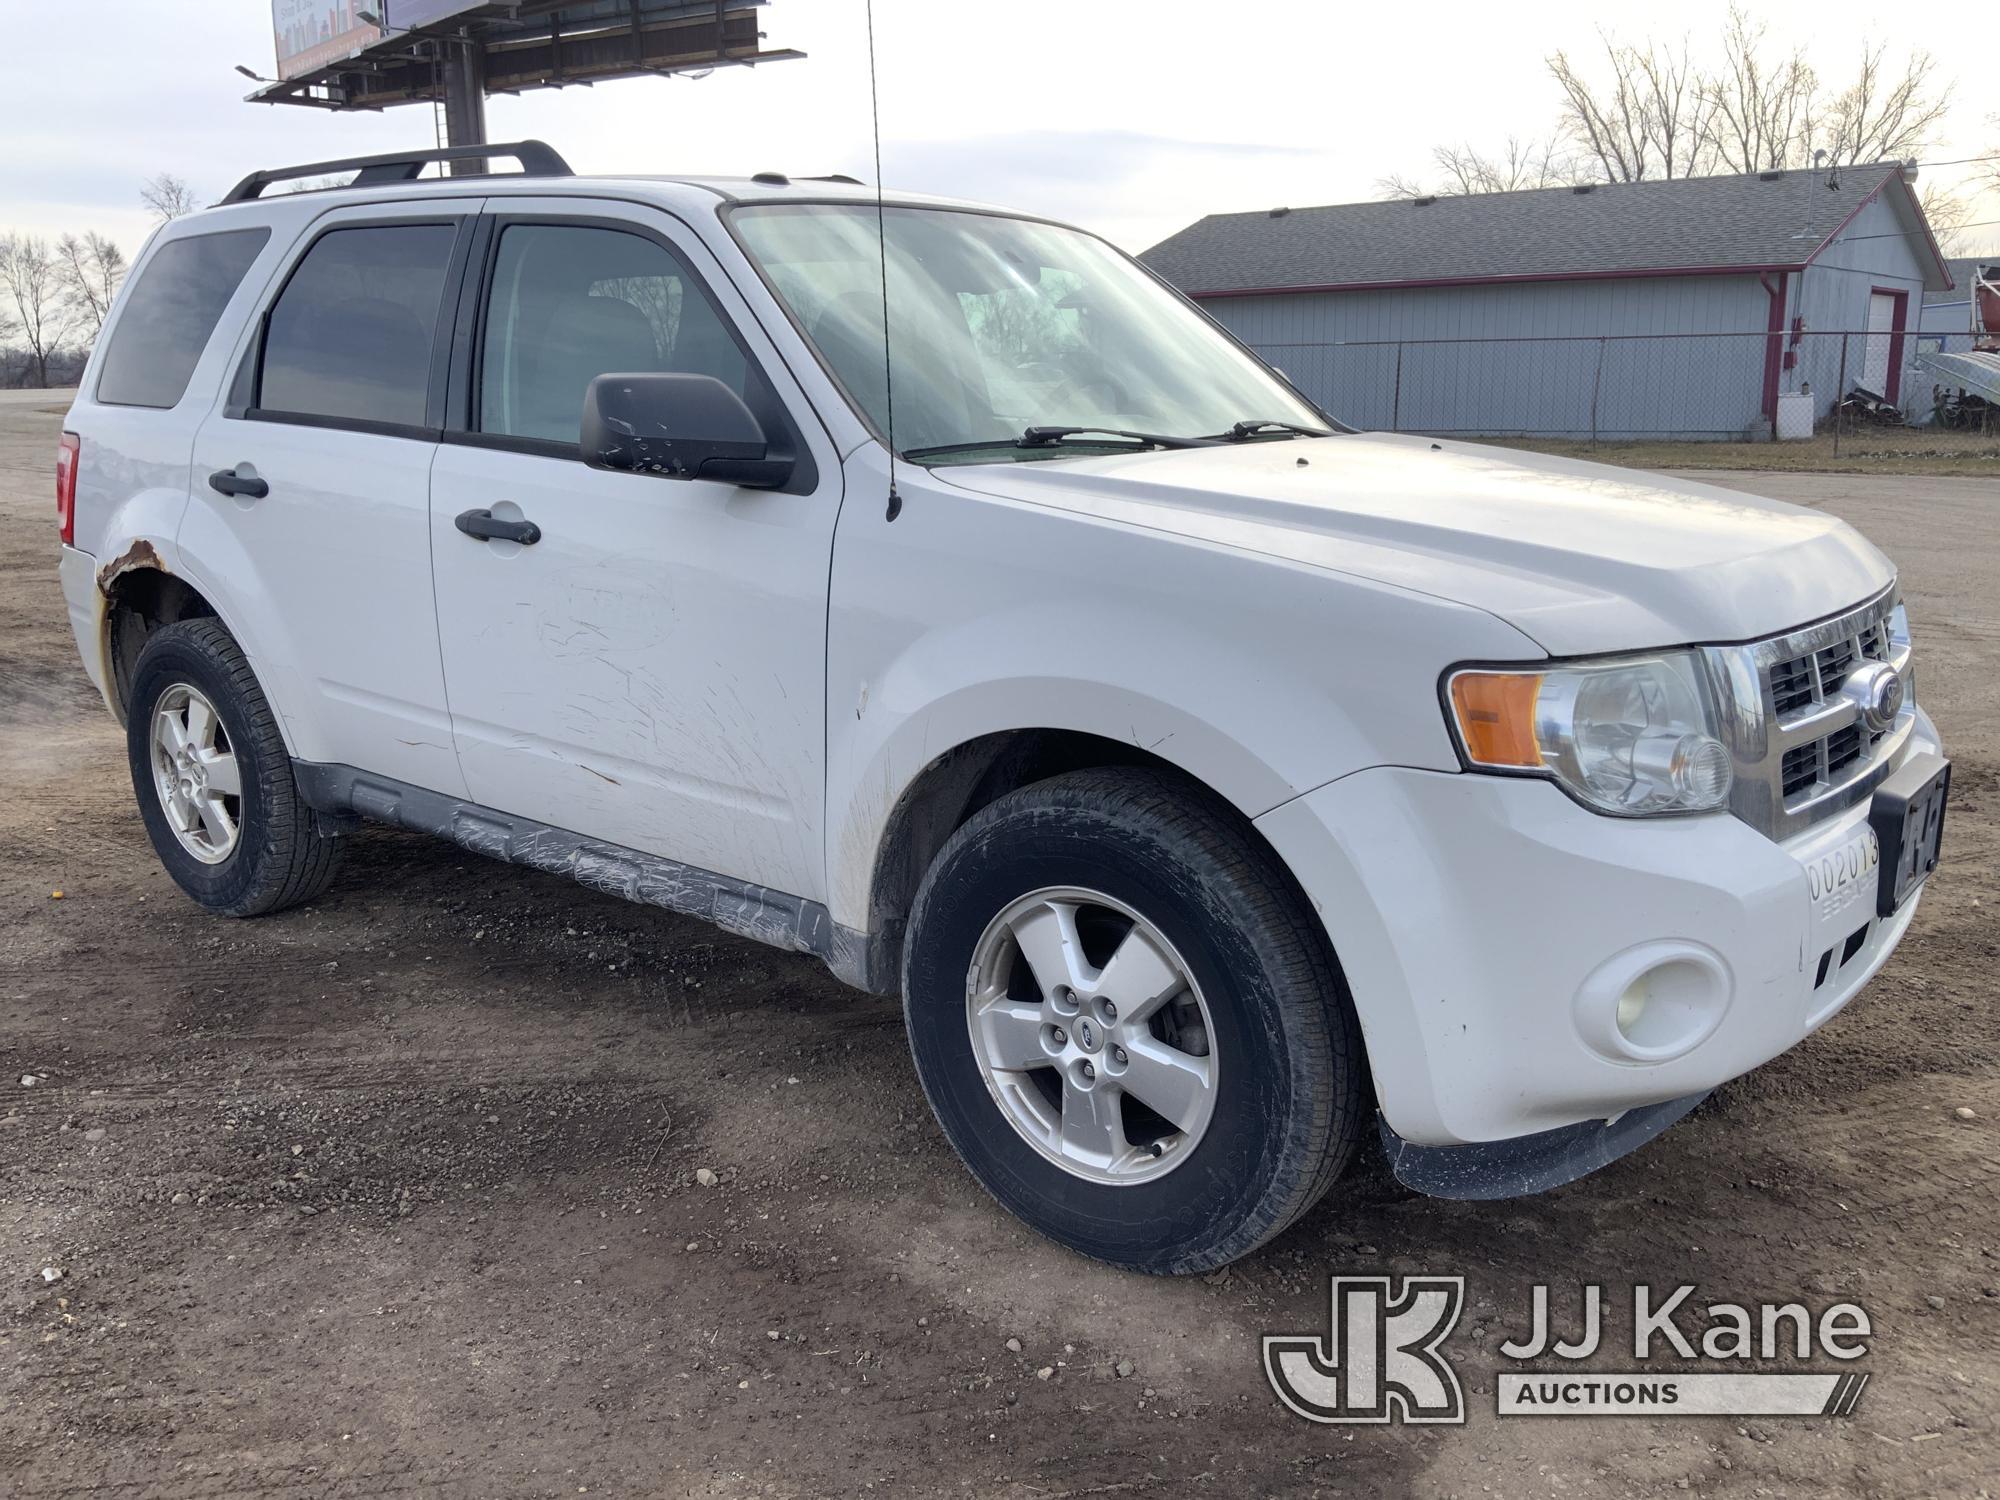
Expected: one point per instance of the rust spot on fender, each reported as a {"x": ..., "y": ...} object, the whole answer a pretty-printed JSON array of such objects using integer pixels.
[{"x": 140, "y": 554}]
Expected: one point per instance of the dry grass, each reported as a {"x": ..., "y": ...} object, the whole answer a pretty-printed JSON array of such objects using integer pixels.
[{"x": 1893, "y": 450}]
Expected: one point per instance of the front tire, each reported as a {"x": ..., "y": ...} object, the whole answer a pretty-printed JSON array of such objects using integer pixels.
[
  {"x": 214, "y": 780},
  {"x": 1128, "y": 1024}
]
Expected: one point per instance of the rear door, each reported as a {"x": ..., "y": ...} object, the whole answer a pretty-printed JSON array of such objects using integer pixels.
[
  {"x": 651, "y": 671},
  {"x": 311, "y": 488}
]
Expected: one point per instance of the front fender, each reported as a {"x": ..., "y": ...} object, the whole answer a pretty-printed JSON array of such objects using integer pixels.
[
  {"x": 1259, "y": 676},
  {"x": 876, "y": 786}
]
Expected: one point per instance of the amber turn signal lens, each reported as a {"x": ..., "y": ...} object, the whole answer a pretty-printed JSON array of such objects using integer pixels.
[{"x": 1496, "y": 717}]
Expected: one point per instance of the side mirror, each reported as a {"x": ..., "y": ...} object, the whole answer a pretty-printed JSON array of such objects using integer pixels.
[{"x": 679, "y": 426}]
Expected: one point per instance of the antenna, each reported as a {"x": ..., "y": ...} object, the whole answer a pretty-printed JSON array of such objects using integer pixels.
[{"x": 882, "y": 241}]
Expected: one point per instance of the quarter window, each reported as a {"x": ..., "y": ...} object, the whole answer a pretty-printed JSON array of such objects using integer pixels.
[
  {"x": 169, "y": 313},
  {"x": 570, "y": 303},
  {"x": 350, "y": 336}
]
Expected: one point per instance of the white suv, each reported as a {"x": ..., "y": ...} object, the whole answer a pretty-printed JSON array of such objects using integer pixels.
[{"x": 1217, "y": 785}]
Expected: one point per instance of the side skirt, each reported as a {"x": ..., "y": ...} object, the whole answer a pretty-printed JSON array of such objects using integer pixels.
[{"x": 751, "y": 911}]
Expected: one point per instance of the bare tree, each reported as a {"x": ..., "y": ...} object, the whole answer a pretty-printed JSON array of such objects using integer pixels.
[
  {"x": 1519, "y": 164},
  {"x": 1762, "y": 103},
  {"x": 1629, "y": 113},
  {"x": 1465, "y": 169},
  {"x": 167, "y": 197},
  {"x": 31, "y": 282},
  {"x": 89, "y": 270},
  {"x": 1948, "y": 214},
  {"x": 1612, "y": 117},
  {"x": 1986, "y": 171},
  {"x": 1884, "y": 113}
]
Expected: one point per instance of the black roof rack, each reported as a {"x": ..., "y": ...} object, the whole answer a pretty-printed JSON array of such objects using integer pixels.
[{"x": 537, "y": 159}]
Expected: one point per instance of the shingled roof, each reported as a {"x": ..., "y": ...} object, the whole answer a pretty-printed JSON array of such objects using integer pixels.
[
  {"x": 1677, "y": 226},
  {"x": 1962, "y": 268}
]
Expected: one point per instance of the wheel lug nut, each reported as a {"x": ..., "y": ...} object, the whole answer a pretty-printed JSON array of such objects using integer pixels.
[
  {"x": 1118, "y": 1056},
  {"x": 1110, "y": 1011},
  {"x": 1061, "y": 1036},
  {"x": 1089, "y": 1071}
]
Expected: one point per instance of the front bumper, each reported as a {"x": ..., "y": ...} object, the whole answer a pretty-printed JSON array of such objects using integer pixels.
[{"x": 1487, "y": 925}]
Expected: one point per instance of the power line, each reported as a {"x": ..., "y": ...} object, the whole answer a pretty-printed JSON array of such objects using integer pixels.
[
  {"x": 1963, "y": 161},
  {"x": 1910, "y": 234}
]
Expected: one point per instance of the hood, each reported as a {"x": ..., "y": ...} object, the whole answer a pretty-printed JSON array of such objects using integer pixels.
[{"x": 1581, "y": 557}]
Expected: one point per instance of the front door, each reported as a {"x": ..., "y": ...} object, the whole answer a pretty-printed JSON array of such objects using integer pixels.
[
  {"x": 651, "y": 670},
  {"x": 311, "y": 488}
]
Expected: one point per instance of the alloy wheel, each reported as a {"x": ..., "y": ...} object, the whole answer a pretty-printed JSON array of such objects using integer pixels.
[
  {"x": 196, "y": 774},
  {"x": 1092, "y": 1036}
]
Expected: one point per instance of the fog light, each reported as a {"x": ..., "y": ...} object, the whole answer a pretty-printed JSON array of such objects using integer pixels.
[
  {"x": 1653, "y": 1003},
  {"x": 1632, "y": 1005}
]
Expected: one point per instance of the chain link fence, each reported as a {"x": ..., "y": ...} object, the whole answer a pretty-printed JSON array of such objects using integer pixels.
[{"x": 1622, "y": 388}]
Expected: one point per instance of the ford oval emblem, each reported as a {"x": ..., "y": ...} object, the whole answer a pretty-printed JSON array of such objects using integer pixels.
[{"x": 1877, "y": 691}]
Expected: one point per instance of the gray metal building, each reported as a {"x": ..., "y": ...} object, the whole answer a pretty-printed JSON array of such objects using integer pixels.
[
  {"x": 1947, "y": 313},
  {"x": 1679, "y": 308}
]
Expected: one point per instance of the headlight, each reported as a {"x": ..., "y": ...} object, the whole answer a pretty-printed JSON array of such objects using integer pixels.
[{"x": 1631, "y": 737}]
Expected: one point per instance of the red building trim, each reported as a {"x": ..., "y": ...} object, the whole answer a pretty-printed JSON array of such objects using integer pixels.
[
  {"x": 1775, "y": 344},
  {"x": 1930, "y": 240}
]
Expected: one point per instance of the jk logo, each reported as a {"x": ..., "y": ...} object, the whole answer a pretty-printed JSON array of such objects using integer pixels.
[{"x": 1379, "y": 1360}]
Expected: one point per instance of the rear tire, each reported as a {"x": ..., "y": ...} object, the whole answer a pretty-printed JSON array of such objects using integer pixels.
[
  {"x": 214, "y": 780},
  {"x": 1190, "y": 1080}
]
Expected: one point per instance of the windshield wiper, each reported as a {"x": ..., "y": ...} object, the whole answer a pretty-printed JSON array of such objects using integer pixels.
[
  {"x": 1053, "y": 437},
  {"x": 1042, "y": 437},
  {"x": 1242, "y": 432}
]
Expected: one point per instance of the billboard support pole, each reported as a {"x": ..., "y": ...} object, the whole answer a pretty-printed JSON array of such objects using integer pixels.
[{"x": 465, "y": 101}]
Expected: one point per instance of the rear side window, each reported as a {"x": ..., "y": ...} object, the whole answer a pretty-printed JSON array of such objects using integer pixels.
[
  {"x": 570, "y": 303},
  {"x": 169, "y": 313},
  {"x": 349, "y": 339}
]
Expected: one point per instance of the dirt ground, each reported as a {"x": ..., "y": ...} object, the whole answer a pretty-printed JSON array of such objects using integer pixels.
[{"x": 397, "y": 1194}]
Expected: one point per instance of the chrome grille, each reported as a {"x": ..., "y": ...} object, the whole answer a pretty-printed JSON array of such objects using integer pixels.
[
  {"x": 1802, "y": 749},
  {"x": 1801, "y": 768},
  {"x": 1792, "y": 684}
]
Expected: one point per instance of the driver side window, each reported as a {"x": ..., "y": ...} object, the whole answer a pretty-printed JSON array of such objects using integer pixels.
[{"x": 568, "y": 303}]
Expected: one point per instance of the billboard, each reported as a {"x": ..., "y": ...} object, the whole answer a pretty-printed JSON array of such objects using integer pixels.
[
  {"x": 402, "y": 14},
  {"x": 313, "y": 33}
]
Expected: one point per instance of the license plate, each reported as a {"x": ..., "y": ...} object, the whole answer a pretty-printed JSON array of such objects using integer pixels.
[{"x": 1908, "y": 817}]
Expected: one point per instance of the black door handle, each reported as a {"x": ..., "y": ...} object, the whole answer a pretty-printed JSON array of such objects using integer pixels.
[
  {"x": 488, "y": 527},
  {"x": 229, "y": 482}
]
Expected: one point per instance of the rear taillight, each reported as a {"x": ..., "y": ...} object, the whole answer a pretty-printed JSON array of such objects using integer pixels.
[{"x": 66, "y": 462}]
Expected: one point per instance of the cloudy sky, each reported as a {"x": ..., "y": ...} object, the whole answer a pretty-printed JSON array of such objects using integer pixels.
[{"x": 1133, "y": 117}]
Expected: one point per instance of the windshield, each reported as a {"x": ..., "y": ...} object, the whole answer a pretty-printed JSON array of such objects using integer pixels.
[{"x": 998, "y": 325}]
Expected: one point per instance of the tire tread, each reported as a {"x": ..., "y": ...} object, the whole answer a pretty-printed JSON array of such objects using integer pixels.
[
  {"x": 293, "y": 859},
  {"x": 1325, "y": 1047}
]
